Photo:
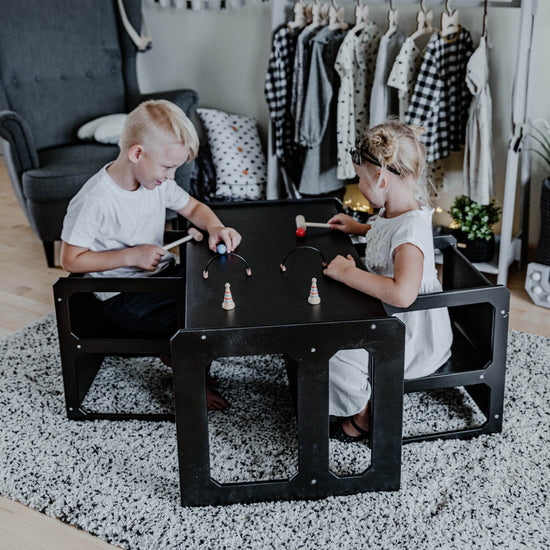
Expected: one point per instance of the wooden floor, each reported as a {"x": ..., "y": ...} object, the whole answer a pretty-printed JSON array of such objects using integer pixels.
[{"x": 26, "y": 295}]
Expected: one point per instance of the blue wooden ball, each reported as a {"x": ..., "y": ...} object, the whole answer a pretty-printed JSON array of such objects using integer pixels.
[{"x": 221, "y": 248}]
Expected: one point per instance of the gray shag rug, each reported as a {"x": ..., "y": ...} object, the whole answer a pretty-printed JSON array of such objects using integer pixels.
[{"x": 119, "y": 480}]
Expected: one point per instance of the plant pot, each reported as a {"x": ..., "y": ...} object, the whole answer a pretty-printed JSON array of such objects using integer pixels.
[{"x": 478, "y": 250}]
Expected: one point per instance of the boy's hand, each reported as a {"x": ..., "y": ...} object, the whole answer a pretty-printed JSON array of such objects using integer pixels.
[
  {"x": 229, "y": 236},
  {"x": 146, "y": 256},
  {"x": 338, "y": 267}
]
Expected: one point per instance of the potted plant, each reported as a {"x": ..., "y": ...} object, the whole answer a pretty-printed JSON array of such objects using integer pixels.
[{"x": 472, "y": 224}]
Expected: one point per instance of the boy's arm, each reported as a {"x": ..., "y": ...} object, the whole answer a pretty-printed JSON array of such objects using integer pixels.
[
  {"x": 77, "y": 259},
  {"x": 203, "y": 217}
]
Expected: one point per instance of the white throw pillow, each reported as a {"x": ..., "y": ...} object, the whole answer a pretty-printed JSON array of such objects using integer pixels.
[
  {"x": 241, "y": 170},
  {"x": 105, "y": 129}
]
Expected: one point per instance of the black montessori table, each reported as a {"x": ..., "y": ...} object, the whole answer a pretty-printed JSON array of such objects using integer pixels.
[{"x": 273, "y": 316}]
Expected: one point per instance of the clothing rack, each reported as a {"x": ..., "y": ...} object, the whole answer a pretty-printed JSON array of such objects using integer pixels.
[{"x": 516, "y": 155}]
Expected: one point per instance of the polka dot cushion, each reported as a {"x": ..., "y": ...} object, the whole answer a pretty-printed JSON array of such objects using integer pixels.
[{"x": 241, "y": 172}]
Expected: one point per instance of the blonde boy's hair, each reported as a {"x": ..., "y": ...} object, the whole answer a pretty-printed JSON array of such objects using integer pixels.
[{"x": 159, "y": 120}]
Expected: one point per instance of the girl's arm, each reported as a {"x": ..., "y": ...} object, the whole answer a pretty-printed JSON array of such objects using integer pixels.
[
  {"x": 349, "y": 225},
  {"x": 400, "y": 290},
  {"x": 204, "y": 218}
]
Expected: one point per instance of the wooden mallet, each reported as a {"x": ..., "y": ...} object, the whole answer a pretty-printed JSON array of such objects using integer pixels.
[
  {"x": 301, "y": 225},
  {"x": 191, "y": 234}
]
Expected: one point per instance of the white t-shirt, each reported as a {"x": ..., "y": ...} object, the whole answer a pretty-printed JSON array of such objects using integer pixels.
[{"x": 103, "y": 216}]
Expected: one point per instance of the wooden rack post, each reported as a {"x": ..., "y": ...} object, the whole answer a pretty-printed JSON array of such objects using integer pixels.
[{"x": 280, "y": 13}]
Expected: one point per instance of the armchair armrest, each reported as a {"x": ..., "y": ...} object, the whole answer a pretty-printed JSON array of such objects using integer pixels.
[
  {"x": 15, "y": 131},
  {"x": 185, "y": 99}
]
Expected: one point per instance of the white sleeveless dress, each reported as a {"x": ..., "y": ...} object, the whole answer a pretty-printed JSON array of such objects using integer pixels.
[{"x": 428, "y": 334}]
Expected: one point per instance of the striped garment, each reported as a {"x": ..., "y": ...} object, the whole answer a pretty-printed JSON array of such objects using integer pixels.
[{"x": 441, "y": 98}]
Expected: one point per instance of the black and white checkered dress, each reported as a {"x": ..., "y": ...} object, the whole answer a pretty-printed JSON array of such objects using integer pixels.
[
  {"x": 441, "y": 98},
  {"x": 278, "y": 87}
]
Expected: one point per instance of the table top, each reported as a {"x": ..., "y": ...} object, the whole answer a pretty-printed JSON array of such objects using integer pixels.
[{"x": 269, "y": 296}]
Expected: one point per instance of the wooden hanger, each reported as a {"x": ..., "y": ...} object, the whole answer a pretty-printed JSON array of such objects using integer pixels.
[
  {"x": 392, "y": 20},
  {"x": 336, "y": 17},
  {"x": 361, "y": 17},
  {"x": 449, "y": 20},
  {"x": 484, "y": 31},
  {"x": 424, "y": 20},
  {"x": 316, "y": 16},
  {"x": 299, "y": 15},
  {"x": 324, "y": 13}
]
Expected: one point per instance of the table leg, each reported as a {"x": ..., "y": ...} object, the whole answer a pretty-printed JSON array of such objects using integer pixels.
[{"x": 309, "y": 347}]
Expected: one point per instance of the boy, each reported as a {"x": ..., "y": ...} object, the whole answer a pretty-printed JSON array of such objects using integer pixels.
[{"x": 115, "y": 224}]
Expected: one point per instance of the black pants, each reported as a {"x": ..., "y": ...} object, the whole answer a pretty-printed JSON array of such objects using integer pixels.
[{"x": 150, "y": 312}]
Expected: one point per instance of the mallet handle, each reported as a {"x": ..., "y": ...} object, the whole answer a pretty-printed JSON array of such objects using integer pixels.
[
  {"x": 318, "y": 224},
  {"x": 175, "y": 243},
  {"x": 193, "y": 234}
]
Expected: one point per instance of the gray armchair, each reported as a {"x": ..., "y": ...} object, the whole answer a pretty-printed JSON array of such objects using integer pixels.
[{"x": 62, "y": 64}]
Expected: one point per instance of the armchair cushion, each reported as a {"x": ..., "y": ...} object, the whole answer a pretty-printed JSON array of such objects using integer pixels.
[
  {"x": 105, "y": 129},
  {"x": 63, "y": 171},
  {"x": 48, "y": 190}
]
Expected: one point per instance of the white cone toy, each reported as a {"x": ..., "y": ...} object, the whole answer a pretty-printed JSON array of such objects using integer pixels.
[
  {"x": 314, "y": 293},
  {"x": 228, "y": 302}
]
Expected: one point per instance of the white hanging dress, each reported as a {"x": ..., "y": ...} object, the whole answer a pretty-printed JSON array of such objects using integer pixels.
[{"x": 478, "y": 151}]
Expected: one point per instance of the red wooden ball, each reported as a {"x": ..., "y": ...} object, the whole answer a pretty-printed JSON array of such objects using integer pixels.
[{"x": 301, "y": 231}]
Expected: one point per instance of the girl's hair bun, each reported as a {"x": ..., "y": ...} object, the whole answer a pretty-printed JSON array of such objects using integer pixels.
[
  {"x": 397, "y": 145},
  {"x": 384, "y": 145}
]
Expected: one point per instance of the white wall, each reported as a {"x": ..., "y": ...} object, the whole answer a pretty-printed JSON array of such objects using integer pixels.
[{"x": 223, "y": 55}]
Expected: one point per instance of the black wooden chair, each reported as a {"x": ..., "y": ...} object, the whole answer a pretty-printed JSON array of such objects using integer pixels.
[
  {"x": 479, "y": 317},
  {"x": 86, "y": 337}
]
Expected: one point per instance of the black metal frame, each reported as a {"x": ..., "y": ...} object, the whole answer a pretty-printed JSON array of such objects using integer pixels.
[{"x": 479, "y": 316}]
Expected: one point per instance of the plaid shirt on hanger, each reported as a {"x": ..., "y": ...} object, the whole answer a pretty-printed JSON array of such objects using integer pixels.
[
  {"x": 278, "y": 87},
  {"x": 441, "y": 98}
]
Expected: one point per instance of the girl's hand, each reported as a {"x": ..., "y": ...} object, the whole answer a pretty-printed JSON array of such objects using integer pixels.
[
  {"x": 339, "y": 266},
  {"x": 347, "y": 224},
  {"x": 229, "y": 236},
  {"x": 145, "y": 256}
]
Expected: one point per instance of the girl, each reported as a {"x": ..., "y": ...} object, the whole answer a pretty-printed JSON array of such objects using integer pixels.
[{"x": 389, "y": 161}]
